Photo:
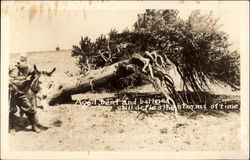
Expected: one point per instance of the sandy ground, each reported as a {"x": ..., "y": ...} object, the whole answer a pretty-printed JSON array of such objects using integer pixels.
[{"x": 95, "y": 128}]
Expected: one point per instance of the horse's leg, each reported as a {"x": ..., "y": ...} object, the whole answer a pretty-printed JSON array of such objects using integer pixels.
[
  {"x": 35, "y": 101},
  {"x": 45, "y": 104},
  {"x": 32, "y": 98}
]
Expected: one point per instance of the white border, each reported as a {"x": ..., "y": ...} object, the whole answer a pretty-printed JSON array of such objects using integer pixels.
[{"x": 242, "y": 6}]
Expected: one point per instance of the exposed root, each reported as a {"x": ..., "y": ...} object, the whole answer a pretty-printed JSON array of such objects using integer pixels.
[{"x": 92, "y": 85}]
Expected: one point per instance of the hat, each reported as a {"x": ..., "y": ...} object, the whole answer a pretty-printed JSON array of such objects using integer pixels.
[
  {"x": 23, "y": 57},
  {"x": 23, "y": 54}
]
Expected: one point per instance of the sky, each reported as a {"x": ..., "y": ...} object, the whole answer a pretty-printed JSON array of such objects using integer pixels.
[{"x": 66, "y": 26}]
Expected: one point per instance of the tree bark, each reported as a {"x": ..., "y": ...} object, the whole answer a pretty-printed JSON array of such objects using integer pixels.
[
  {"x": 84, "y": 83},
  {"x": 103, "y": 76}
]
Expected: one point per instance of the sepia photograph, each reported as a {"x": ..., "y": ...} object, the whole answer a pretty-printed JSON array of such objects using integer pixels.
[{"x": 124, "y": 80}]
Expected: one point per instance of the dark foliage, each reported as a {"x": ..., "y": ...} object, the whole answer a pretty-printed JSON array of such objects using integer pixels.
[{"x": 196, "y": 46}]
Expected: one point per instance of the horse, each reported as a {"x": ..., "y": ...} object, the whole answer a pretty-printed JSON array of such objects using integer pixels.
[
  {"x": 23, "y": 95},
  {"x": 40, "y": 87}
]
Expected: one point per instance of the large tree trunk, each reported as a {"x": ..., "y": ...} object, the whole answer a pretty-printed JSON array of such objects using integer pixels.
[
  {"x": 101, "y": 77},
  {"x": 95, "y": 79}
]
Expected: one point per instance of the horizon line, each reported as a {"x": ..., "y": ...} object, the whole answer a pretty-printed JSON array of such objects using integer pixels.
[{"x": 30, "y": 52}]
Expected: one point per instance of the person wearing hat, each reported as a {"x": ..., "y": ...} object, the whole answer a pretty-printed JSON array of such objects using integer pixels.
[
  {"x": 19, "y": 78},
  {"x": 24, "y": 70}
]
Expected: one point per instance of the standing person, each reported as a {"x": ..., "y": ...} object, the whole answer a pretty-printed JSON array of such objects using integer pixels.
[
  {"x": 20, "y": 78},
  {"x": 19, "y": 98}
]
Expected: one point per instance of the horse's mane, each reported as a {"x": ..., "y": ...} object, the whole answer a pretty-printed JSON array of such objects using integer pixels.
[{"x": 27, "y": 83}]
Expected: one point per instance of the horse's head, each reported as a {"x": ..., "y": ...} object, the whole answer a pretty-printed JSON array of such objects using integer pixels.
[{"x": 43, "y": 83}]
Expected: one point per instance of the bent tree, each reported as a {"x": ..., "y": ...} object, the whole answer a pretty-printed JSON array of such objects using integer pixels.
[{"x": 160, "y": 41}]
